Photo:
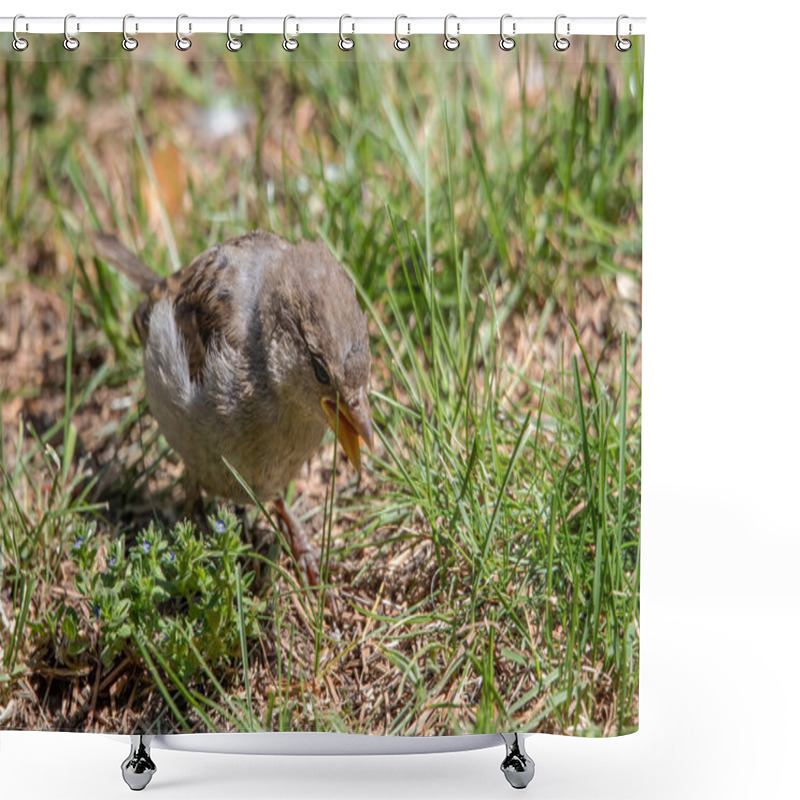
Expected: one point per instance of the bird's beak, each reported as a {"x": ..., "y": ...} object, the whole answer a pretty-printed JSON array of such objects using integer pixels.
[{"x": 353, "y": 422}]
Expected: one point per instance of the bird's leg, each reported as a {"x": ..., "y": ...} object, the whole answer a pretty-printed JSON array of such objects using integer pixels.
[
  {"x": 194, "y": 509},
  {"x": 304, "y": 555},
  {"x": 241, "y": 514}
]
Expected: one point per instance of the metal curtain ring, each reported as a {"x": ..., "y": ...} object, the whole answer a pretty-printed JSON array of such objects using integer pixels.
[
  {"x": 19, "y": 44},
  {"x": 70, "y": 42},
  {"x": 129, "y": 43},
  {"x": 401, "y": 42},
  {"x": 561, "y": 43},
  {"x": 182, "y": 42},
  {"x": 345, "y": 42},
  {"x": 623, "y": 45},
  {"x": 290, "y": 44},
  {"x": 450, "y": 42},
  {"x": 233, "y": 44},
  {"x": 506, "y": 42}
]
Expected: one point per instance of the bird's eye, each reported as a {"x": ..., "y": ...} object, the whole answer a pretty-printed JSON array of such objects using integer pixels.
[{"x": 320, "y": 371}]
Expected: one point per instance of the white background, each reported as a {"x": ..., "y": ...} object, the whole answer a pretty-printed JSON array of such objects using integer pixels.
[{"x": 720, "y": 714}]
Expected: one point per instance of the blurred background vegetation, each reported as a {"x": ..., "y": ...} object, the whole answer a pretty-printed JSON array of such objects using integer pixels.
[{"x": 484, "y": 574}]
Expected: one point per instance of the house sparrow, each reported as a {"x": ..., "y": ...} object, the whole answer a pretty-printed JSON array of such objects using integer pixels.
[{"x": 249, "y": 352}]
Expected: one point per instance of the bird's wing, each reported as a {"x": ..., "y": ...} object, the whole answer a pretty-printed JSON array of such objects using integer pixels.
[{"x": 214, "y": 296}]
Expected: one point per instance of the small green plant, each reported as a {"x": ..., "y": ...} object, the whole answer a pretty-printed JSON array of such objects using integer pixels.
[{"x": 167, "y": 589}]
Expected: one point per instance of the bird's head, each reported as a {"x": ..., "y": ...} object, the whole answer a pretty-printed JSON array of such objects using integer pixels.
[{"x": 328, "y": 331}]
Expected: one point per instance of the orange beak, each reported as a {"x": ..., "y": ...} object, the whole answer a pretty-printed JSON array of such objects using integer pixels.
[{"x": 352, "y": 423}]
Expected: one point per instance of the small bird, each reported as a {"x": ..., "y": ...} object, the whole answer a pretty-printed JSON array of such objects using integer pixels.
[{"x": 250, "y": 351}]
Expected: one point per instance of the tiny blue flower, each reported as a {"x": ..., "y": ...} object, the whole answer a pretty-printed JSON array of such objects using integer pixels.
[
  {"x": 220, "y": 526},
  {"x": 146, "y": 546},
  {"x": 78, "y": 543},
  {"x": 112, "y": 561},
  {"x": 96, "y": 610},
  {"x": 171, "y": 557}
]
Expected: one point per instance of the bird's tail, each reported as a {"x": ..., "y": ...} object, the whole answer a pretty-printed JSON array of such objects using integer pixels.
[{"x": 110, "y": 249}]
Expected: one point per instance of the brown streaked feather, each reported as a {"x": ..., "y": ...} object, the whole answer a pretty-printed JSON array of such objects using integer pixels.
[
  {"x": 202, "y": 297},
  {"x": 201, "y": 293}
]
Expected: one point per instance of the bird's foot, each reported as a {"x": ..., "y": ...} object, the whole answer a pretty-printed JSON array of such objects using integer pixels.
[
  {"x": 308, "y": 565},
  {"x": 304, "y": 555},
  {"x": 194, "y": 508}
]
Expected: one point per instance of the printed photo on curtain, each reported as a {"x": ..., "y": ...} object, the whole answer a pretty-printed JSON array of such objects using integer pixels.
[{"x": 320, "y": 380}]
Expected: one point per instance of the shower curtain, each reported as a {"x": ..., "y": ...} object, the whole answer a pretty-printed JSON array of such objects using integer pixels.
[{"x": 481, "y": 207}]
